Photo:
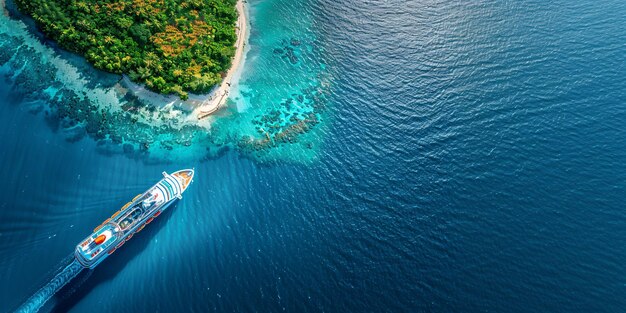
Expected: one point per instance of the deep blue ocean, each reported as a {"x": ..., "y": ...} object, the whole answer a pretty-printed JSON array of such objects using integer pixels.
[{"x": 471, "y": 157}]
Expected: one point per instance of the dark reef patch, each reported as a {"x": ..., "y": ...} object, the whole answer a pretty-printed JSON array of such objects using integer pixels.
[
  {"x": 295, "y": 116},
  {"x": 290, "y": 50}
]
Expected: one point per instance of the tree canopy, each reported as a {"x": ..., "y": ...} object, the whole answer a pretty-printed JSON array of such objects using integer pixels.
[{"x": 172, "y": 46}]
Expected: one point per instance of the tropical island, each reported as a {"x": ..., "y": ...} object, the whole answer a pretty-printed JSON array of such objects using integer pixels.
[{"x": 171, "y": 46}]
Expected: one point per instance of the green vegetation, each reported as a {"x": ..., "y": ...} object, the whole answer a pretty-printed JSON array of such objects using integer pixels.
[{"x": 173, "y": 46}]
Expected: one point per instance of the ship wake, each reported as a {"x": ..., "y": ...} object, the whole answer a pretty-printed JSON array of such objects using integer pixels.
[{"x": 37, "y": 300}]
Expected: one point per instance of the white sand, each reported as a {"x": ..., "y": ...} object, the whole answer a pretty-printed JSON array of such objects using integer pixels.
[{"x": 220, "y": 94}]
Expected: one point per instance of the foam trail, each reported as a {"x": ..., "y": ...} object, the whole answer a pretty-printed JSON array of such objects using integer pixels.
[{"x": 36, "y": 301}]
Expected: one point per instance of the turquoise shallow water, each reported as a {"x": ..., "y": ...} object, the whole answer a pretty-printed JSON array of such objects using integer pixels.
[
  {"x": 469, "y": 158},
  {"x": 283, "y": 90}
]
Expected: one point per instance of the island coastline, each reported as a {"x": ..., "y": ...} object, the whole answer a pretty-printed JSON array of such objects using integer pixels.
[
  {"x": 198, "y": 107},
  {"x": 193, "y": 108},
  {"x": 125, "y": 116}
]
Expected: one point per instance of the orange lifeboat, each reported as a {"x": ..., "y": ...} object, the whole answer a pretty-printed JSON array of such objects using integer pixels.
[
  {"x": 157, "y": 214},
  {"x": 149, "y": 220},
  {"x": 126, "y": 205},
  {"x": 100, "y": 239},
  {"x": 111, "y": 252},
  {"x": 101, "y": 225}
]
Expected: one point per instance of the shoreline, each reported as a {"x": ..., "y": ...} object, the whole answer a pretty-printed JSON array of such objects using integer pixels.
[
  {"x": 219, "y": 95},
  {"x": 200, "y": 106}
]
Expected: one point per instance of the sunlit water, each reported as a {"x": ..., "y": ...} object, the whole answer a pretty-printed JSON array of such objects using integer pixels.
[{"x": 469, "y": 158}]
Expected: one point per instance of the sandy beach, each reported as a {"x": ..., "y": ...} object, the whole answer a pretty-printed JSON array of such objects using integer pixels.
[{"x": 219, "y": 95}]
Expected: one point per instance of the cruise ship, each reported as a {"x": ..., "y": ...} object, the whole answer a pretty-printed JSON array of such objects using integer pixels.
[{"x": 132, "y": 218}]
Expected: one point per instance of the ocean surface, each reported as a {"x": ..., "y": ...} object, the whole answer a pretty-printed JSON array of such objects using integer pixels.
[{"x": 462, "y": 157}]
